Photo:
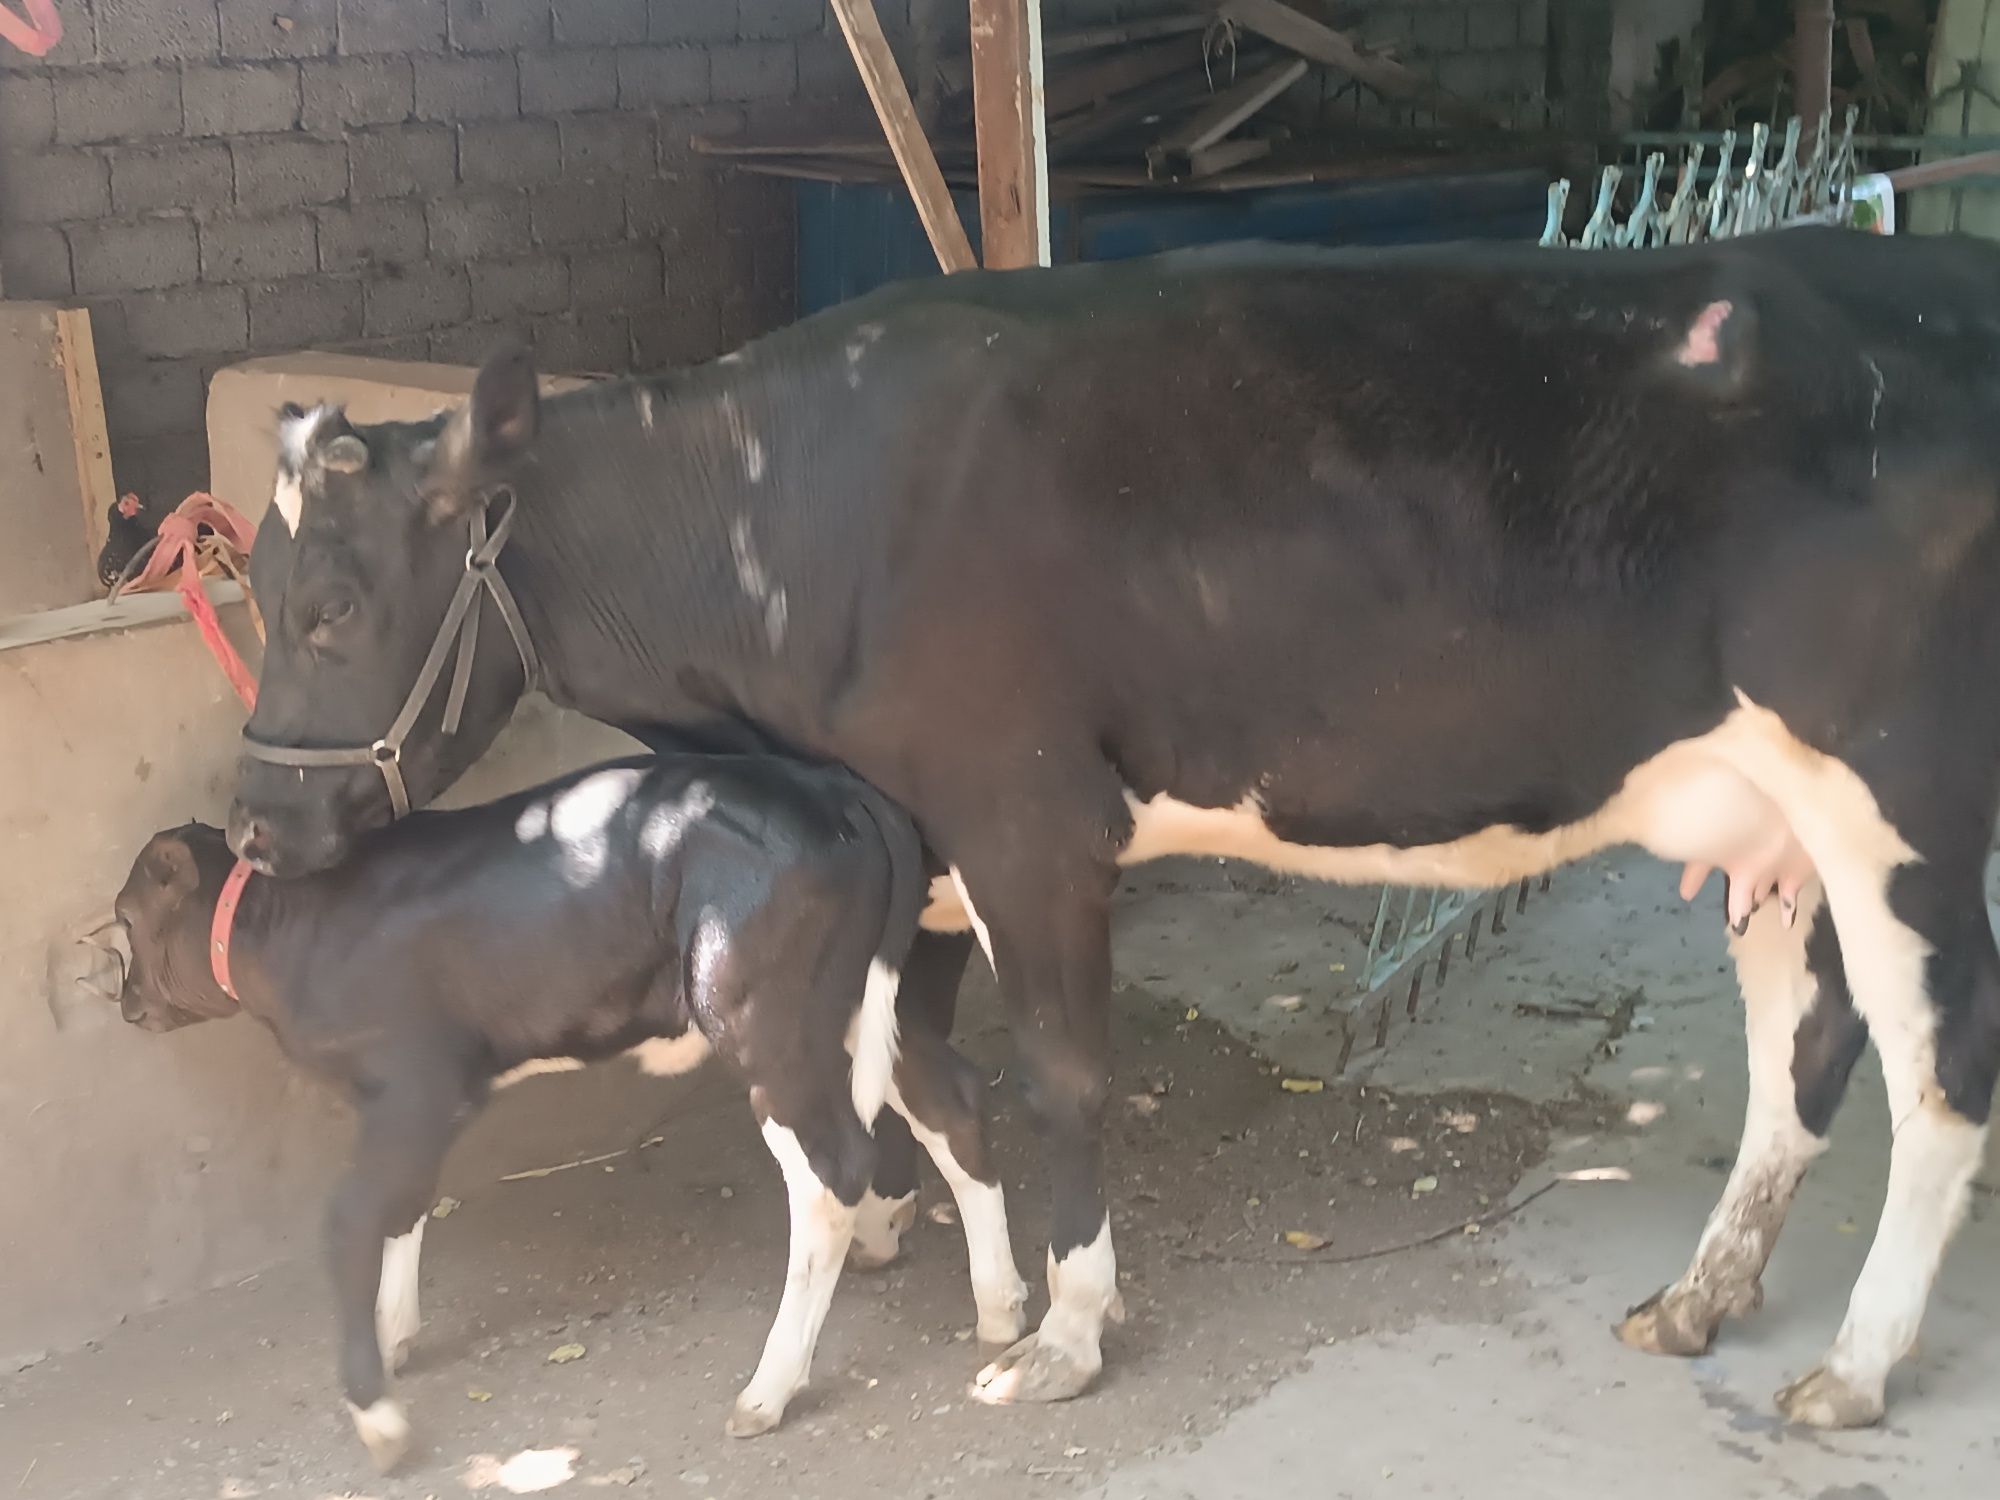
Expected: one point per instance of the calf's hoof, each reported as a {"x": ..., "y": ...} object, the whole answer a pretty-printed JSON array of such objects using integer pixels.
[
  {"x": 879, "y": 1226},
  {"x": 1666, "y": 1324},
  {"x": 1036, "y": 1370},
  {"x": 384, "y": 1429},
  {"x": 1823, "y": 1399},
  {"x": 752, "y": 1419}
]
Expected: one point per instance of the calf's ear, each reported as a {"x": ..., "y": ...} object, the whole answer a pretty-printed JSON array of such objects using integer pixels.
[
  {"x": 171, "y": 864},
  {"x": 483, "y": 439}
]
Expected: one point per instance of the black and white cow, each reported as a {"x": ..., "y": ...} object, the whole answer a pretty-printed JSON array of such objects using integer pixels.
[
  {"x": 751, "y": 908},
  {"x": 1440, "y": 566}
]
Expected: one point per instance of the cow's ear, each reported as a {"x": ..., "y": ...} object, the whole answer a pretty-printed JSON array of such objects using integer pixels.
[{"x": 482, "y": 440}]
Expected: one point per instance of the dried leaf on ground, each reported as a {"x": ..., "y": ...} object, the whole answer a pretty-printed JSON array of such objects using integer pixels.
[
  {"x": 1302, "y": 1085},
  {"x": 565, "y": 1354}
]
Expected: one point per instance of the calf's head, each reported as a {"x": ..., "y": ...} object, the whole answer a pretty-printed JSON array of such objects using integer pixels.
[
  {"x": 159, "y": 930},
  {"x": 355, "y": 566}
]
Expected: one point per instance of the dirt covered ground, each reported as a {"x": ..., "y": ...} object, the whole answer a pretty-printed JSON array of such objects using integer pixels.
[{"x": 1309, "y": 1311}]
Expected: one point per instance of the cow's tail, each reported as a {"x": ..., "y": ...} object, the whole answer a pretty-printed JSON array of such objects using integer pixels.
[{"x": 875, "y": 1025}]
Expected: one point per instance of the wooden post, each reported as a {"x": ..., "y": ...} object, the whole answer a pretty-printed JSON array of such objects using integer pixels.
[
  {"x": 1812, "y": 67},
  {"x": 1008, "y": 113},
  {"x": 891, "y": 97}
]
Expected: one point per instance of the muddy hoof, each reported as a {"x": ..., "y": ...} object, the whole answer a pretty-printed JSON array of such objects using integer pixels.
[
  {"x": 384, "y": 1429},
  {"x": 1035, "y": 1371},
  {"x": 879, "y": 1228},
  {"x": 749, "y": 1420},
  {"x": 1825, "y": 1400},
  {"x": 1665, "y": 1324},
  {"x": 862, "y": 1257}
]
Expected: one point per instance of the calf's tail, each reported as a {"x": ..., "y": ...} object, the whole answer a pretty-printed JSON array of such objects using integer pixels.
[{"x": 875, "y": 1028}]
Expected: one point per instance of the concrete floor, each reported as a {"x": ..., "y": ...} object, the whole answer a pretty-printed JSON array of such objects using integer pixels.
[
  {"x": 1546, "y": 1402},
  {"x": 1482, "y": 1366}
]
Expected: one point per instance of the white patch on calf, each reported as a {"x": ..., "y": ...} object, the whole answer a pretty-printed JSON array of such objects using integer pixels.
[
  {"x": 871, "y": 1042},
  {"x": 580, "y": 820},
  {"x": 534, "y": 1067},
  {"x": 665, "y": 827},
  {"x": 671, "y": 1056},
  {"x": 397, "y": 1316}
]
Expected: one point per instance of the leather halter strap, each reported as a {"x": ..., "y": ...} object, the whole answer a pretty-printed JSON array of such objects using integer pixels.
[{"x": 460, "y": 626}]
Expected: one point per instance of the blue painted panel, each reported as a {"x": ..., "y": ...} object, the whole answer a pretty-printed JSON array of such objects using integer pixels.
[{"x": 854, "y": 237}]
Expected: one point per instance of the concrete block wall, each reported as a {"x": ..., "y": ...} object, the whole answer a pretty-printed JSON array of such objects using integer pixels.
[{"x": 412, "y": 178}]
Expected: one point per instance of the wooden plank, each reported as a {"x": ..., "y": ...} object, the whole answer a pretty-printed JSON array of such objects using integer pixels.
[
  {"x": 1298, "y": 33},
  {"x": 1206, "y": 161},
  {"x": 1012, "y": 131},
  {"x": 1106, "y": 78},
  {"x": 956, "y": 75},
  {"x": 1230, "y": 109},
  {"x": 898, "y": 114},
  {"x": 1812, "y": 67},
  {"x": 54, "y": 457},
  {"x": 76, "y": 348}
]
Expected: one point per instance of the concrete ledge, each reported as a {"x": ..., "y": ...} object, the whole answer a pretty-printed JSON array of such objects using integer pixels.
[{"x": 131, "y": 612}]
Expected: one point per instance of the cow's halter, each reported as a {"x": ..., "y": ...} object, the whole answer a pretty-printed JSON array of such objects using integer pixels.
[{"x": 460, "y": 625}]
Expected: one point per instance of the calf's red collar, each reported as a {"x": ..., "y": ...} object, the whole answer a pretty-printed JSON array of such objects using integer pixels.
[{"x": 223, "y": 925}]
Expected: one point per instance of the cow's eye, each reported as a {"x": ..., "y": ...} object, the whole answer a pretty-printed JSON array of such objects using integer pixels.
[{"x": 331, "y": 614}]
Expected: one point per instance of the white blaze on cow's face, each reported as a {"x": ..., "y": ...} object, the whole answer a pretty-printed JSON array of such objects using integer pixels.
[{"x": 296, "y": 431}]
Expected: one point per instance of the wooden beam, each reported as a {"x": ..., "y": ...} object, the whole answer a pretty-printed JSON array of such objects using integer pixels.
[
  {"x": 76, "y": 347},
  {"x": 1007, "y": 110},
  {"x": 1231, "y": 108},
  {"x": 956, "y": 75},
  {"x": 898, "y": 114},
  {"x": 1812, "y": 67},
  {"x": 1278, "y": 22}
]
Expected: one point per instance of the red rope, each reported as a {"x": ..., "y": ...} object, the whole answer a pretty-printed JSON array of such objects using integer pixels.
[
  {"x": 39, "y": 34},
  {"x": 176, "y": 549}
]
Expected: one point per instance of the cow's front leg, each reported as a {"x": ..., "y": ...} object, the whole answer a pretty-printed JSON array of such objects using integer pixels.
[
  {"x": 1048, "y": 934},
  {"x": 373, "y": 1234},
  {"x": 1803, "y": 1037}
]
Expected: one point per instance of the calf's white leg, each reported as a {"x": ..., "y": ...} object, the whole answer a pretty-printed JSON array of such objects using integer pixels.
[{"x": 822, "y": 1229}]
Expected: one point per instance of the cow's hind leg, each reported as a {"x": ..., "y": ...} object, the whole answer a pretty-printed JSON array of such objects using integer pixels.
[
  {"x": 939, "y": 1093},
  {"x": 827, "y": 1161},
  {"x": 1926, "y": 975},
  {"x": 1899, "y": 838},
  {"x": 929, "y": 992},
  {"x": 1803, "y": 1037}
]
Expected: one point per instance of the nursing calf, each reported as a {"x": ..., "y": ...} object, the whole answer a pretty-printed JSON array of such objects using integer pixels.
[{"x": 663, "y": 910}]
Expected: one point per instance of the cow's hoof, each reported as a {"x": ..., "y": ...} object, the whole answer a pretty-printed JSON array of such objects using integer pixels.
[
  {"x": 879, "y": 1226},
  {"x": 998, "y": 1332},
  {"x": 751, "y": 1419},
  {"x": 1035, "y": 1370},
  {"x": 384, "y": 1429},
  {"x": 1824, "y": 1399},
  {"x": 1666, "y": 1324}
]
